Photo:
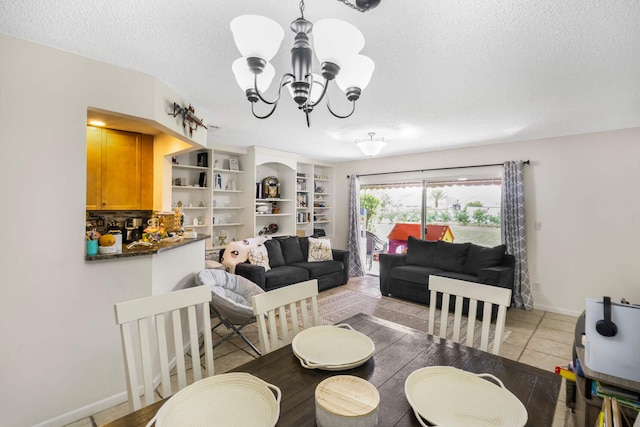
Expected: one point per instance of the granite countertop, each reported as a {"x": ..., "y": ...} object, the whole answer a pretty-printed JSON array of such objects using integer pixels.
[{"x": 142, "y": 250}]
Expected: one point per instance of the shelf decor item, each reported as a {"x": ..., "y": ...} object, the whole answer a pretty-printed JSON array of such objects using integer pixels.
[
  {"x": 262, "y": 208},
  {"x": 271, "y": 187},
  {"x": 233, "y": 165},
  {"x": 222, "y": 237},
  {"x": 270, "y": 229},
  {"x": 203, "y": 160}
]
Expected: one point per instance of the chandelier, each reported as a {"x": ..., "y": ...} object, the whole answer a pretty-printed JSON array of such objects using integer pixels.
[
  {"x": 371, "y": 147},
  {"x": 336, "y": 44}
]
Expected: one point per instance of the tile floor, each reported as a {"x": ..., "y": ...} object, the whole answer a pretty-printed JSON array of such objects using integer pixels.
[{"x": 537, "y": 338}]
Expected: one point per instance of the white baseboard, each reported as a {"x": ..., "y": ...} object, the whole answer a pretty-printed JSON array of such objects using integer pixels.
[
  {"x": 552, "y": 309},
  {"x": 101, "y": 405},
  {"x": 85, "y": 411}
]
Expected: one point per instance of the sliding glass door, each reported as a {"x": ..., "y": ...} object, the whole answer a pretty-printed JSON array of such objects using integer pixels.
[{"x": 454, "y": 209}]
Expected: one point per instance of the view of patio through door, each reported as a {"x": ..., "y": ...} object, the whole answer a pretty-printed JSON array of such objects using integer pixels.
[{"x": 454, "y": 210}]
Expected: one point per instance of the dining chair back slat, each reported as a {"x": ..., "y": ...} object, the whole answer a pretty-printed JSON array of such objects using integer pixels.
[
  {"x": 474, "y": 292},
  {"x": 145, "y": 346},
  {"x": 282, "y": 313}
]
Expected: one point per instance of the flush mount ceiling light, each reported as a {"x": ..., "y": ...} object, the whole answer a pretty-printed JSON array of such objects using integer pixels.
[
  {"x": 336, "y": 43},
  {"x": 371, "y": 147}
]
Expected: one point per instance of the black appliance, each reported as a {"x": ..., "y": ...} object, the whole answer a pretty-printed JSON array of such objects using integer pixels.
[{"x": 133, "y": 230}]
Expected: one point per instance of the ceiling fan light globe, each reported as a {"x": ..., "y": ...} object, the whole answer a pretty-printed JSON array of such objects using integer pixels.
[
  {"x": 257, "y": 36},
  {"x": 371, "y": 147}
]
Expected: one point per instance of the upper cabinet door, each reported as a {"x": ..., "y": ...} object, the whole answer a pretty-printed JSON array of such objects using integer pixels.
[
  {"x": 119, "y": 170},
  {"x": 94, "y": 168}
]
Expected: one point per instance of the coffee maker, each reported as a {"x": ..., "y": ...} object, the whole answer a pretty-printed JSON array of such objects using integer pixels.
[{"x": 133, "y": 229}]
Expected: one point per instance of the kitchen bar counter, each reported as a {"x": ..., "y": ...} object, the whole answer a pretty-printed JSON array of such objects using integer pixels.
[{"x": 143, "y": 250}]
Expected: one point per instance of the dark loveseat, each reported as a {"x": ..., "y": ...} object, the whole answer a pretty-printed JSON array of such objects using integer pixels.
[
  {"x": 288, "y": 261},
  {"x": 406, "y": 275}
]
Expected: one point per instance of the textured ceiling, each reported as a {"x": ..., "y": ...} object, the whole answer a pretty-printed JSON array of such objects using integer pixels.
[{"x": 448, "y": 74}]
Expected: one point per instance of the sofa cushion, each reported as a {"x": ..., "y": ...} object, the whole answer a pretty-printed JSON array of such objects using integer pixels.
[
  {"x": 480, "y": 257},
  {"x": 319, "y": 250},
  {"x": 420, "y": 252},
  {"x": 276, "y": 259},
  {"x": 285, "y": 275},
  {"x": 450, "y": 256},
  {"x": 260, "y": 256},
  {"x": 291, "y": 250},
  {"x": 317, "y": 269},
  {"x": 459, "y": 276},
  {"x": 304, "y": 246},
  {"x": 413, "y": 273}
]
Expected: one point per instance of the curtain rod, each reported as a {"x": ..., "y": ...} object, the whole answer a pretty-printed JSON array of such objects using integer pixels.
[{"x": 526, "y": 162}]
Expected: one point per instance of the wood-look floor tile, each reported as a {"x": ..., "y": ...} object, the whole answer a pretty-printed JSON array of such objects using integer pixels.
[
  {"x": 542, "y": 360},
  {"x": 561, "y": 325}
]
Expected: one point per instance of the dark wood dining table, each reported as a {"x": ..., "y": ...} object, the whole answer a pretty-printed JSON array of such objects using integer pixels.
[{"x": 399, "y": 350}]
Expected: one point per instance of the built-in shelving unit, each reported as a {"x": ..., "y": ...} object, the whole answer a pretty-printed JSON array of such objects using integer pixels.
[
  {"x": 304, "y": 199},
  {"x": 279, "y": 212},
  {"x": 315, "y": 186},
  {"x": 229, "y": 198},
  {"x": 218, "y": 192},
  {"x": 191, "y": 184}
]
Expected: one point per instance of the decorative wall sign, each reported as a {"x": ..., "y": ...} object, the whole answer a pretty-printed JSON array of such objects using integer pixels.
[{"x": 188, "y": 116}]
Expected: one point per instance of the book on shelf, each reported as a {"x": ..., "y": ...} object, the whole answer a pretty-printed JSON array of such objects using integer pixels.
[{"x": 625, "y": 397}]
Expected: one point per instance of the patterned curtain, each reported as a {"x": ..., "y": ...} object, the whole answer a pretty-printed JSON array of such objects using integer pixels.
[
  {"x": 353, "y": 241},
  {"x": 513, "y": 230}
]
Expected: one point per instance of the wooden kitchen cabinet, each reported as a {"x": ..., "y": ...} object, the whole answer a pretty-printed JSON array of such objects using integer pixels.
[
  {"x": 94, "y": 168},
  {"x": 119, "y": 170}
]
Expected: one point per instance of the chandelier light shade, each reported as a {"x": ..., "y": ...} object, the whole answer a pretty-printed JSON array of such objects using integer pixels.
[
  {"x": 336, "y": 43},
  {"x": 245, "y": 77},
  {"x": 257, "y": 36},
  {"x": 356, "y": 74},
  {"x": 371, "y": 147}
]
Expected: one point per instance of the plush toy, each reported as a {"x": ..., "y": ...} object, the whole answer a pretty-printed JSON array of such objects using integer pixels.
[{"x": 238, "y": 252}]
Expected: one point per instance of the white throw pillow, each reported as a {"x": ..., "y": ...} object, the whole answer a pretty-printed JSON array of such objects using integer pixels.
[
  {"x": 319, "y": 250},
  {"x": 260, "y": 256}
]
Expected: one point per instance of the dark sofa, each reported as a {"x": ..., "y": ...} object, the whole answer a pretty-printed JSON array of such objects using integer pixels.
[
  {"x": 406, "y": 275},
  {"x": 288, "y": 261}
]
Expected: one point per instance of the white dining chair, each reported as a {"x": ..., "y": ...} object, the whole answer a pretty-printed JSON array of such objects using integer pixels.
[
  {"x": 151, "y": 329},
  {"x": 284, "y": 312},
  {"x": 474, "y": 292}
]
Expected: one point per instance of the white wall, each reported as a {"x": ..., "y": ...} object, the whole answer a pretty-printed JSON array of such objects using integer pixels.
[
  {"x": 584, "y": 191},
  {"x": 59, "y": 344}
]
